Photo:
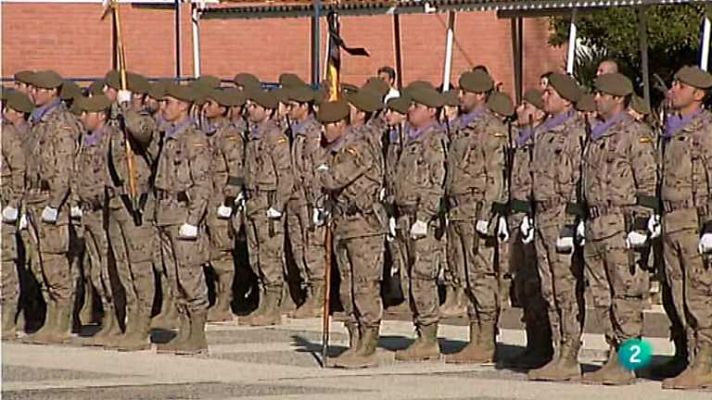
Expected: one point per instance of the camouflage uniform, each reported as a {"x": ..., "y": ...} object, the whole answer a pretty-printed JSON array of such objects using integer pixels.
[
  {"x": 556, "y": 170},
  {"x": 183, "y": 188},
  {"x": 228, "y": 178},
  {"x": 619, "y": 174},
  {"x": 307, "y": 240},
  {"x": 354, "y": 179},
  {"x": 269, "y": 182},
  {"x": 418, "y": 191},
  {"x": 48, "y": 184},
  {"x": 132, "y": 237},
  {"x": 686, "y": 201},
  {"x": 396, "y": 248},
  {"x": 475, "y": 184},
  {"x": 12, "y": 171}
]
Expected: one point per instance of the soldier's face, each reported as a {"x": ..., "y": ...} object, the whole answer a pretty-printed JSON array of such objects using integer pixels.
[
  {"x": 175, "y": 109},
  {"x": 213, "y": 109},
  {"x": 333, "y": 131},
  {"x": 282, "y": 110},
  {"x": 420, "y": 115},
  {"x": 607, "y": 105},
  {"x": 683, "y": 95},
  {"x": 110, "y": 93},
  {"x": 297, "y": 111},
  {"x": 152, "y": 105},
  {"x": 22, "y": 87},
  {"x": 386, "y": 78},
  {"x": 356, "y": 115},
  {"x": 137, "y": 101},
  {"x": 394, "y": 118},
  {"x": 256, "y": 113},
  {"x": 450, "y": 112},
  {"x": 92, "y": 120},
  {"x": 525, "y": 111},
  {"x": 553, "y": 102},
  {"x": 43, "y": 96}
]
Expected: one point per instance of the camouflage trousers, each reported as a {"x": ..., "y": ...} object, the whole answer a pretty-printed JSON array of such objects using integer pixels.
[
  {"x": 133, "y": 248},
  {"x": 473, "y": 259},
  {"x": 618, "y": 284},
  {"x": 183, "y": 260},
  {"x": 220, "y": 237},
  {"x": 690, "y": 278},
  {"x": 265, "y": 245},
  {"x": 97, "y": 250},
  {"x": 527, "y": 286},
  {"x": 360, "y": 263},
  {"x": 10, "y": 290},
  {"x": 558, "y": 286},
  {"x": 307, "y": 242},
  {"x": 399, "y": 258},
  {"x": 49, "y": 245},
  {"x": 423, "y": 264}
]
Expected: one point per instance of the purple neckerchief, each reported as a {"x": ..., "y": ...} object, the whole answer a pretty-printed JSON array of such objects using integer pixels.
[
  {"x": 40, "y": 112},
  {"x": 211, "y": 127},
  {"x": 600, "y": 129},
  {"x": 95, "y": 137},
  {"x": 172, "y": 131},
  {"x": 337, "y": 144},
  {"x": 394, "y": 136},
  {"x": 256, "y": 129},
  {"x": 676, "y": 123},
  {"x": 556, "y": 120},
  {"x": 297, "y": 127},
  {"x": 524, "y": 136},
  {"x": 414, "y": 134},
  {"x": 466, "y": 119}
]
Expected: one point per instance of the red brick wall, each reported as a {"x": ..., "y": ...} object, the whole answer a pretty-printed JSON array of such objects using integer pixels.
[{"x": 71, "y": 39}]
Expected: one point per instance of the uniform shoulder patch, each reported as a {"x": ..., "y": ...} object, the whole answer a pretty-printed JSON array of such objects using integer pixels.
[
  {"x": 353, "y": 151},
  {"x": 645, "y": 139}
]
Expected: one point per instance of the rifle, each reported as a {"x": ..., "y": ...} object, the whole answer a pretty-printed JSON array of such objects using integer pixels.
[
  {"x": 325, "y": 318},
  {"x": 121, "y": 59}
]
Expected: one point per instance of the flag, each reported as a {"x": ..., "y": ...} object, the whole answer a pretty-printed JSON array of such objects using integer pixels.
[
  {"x": 333, "y": 66},
  {"x": 106, "y": 6}
]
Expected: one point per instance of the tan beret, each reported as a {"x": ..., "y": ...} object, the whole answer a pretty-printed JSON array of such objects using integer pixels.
[{"x": 333, "y": 111}]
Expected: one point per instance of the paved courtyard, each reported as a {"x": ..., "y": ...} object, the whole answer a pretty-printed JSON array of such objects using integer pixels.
[{"x": 282, "y": 363}]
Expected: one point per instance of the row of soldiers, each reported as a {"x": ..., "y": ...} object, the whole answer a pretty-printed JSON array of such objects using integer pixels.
[{"x": 165, "y": 175}]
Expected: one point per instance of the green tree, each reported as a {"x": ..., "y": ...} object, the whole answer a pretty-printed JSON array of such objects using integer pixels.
[{"x": 673, "y": 40}]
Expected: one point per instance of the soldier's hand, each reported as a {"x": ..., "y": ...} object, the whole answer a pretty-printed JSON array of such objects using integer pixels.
[
  {"x": 391, "y": 229},
  {"x": 272, "y": 213},
  {"x": 75, "y": 212},
  {"x": 419, "y": 230},
  {"x": 655, "y": 226},
  {"x": 322, "y": 168},
  {"x": 705, "y": 245},
  {"x": 482, "y": 227},
  {"x": 526, "y": 228},
  {"x": 224, "y": 212},
  {"x": 318, "y": 216},
  {"x": 240, "y": 201},
  {"x": 124, "y": 96},
  {"x": 502, "y": 229},
  {"x": 9, "y": 214},
  {"x": 581, "y": 233},
  {"x": 565, "y": 241},
  {"x": 188, "y": 231},
  {"x": 635, "y": 240},
  {"x": 23, "y": 222},
  {"x": 382, "y": 194},
  {"x": 49, "y": 214}
]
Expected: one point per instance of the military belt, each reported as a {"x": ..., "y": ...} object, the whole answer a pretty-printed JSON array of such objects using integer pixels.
[
  {"x": 92, "y": 205},
  {"x": 464, "y": 198},
  {"x": 547, "y": 205},
  {"x": 670, "y": 206},
  {"x": 599, "y": 211},
  {"x": 181, "y": 197}
]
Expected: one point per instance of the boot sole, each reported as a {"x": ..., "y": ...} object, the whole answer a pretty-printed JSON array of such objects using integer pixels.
[
  {"x": 550, "y": 379},
  {"x": 478, "y": 362},
  {"x": 428, "y": 358},
  {"x": 191, "y": 353}
]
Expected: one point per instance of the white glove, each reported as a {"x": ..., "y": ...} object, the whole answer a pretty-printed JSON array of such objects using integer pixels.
[
  {"x": 581, "y": 233},
  {"x": 502, "y": 229},
  {"x": 391, "y": 229},
  {"x": 418, "y": 230},
  {"x": 49, "y": 214},
  {"x": 23, "y": 222},
  {"x": 273, "y": 214},
  {"x": 705, "y": 245},
  {"x": 655, "y": 226},
  {"x": 240, "y": 201},
  {"x": 124, "y": 96},
  {"x": 322, "y": 168},
  {"x": 482, "y": 227},
  {"x": 224, "y": 212},
  {"x": 188, "y": 231},
  {"x": 318, "y": 217},
  {"x": 382, "y": 194},
  {"x": 635, "y": 240},
  {"x": 565, "y": 244},
  {"x": 75, "y": 212},
  {"x": 9, "y": 214},
  {"x": 526, "y": 228}
]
